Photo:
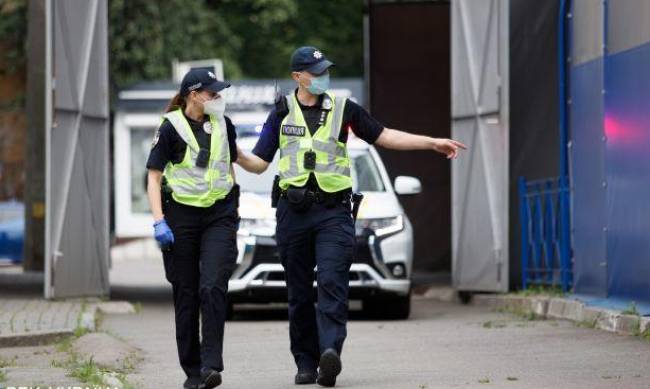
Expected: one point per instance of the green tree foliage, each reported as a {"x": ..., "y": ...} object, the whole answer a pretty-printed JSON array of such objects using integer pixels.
[
  {"x": 254, "y": 38},
  {"x": 336, "y": 26},
  {"x": 272, "y": 29},
  {"x": 266, "y": 28},
  {"x": 13, "y": 35},
  {"x": 146, "y": 36}
]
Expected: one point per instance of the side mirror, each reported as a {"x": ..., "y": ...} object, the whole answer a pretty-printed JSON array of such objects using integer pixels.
[{"x": 405, "y": 185}]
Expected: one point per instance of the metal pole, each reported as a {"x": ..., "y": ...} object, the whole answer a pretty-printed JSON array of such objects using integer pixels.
[
  {"x": 49, "y": 74},
  {"x": 34, "y": 250},
  {"x": 523, "y": 221}
]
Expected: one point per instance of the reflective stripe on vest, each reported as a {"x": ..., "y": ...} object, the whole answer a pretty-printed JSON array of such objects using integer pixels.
[
  {"x": 192, "y": 185},
  {"x": 332, "y": 169}
]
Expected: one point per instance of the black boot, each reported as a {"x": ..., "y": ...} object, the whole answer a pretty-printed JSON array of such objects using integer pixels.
[
  {"x": 305, "y": 377},
  {"x": 192, "y": 382},
  {"x": 210, "y": 379},
  {"x": 328, "y": 368}
]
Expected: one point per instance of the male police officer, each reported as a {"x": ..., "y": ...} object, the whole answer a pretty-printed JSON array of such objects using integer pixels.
[{"x": 314, "y": 223}]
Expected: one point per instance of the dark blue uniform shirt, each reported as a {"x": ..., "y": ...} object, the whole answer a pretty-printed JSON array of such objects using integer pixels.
[{"x": 355, "y": 118}]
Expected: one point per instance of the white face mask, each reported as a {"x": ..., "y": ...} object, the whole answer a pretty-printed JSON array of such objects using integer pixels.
[{"x": 215, "y": 107}]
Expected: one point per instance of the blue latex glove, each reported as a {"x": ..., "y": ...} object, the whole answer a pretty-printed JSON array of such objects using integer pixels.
[{"x": 163, "y": 234}]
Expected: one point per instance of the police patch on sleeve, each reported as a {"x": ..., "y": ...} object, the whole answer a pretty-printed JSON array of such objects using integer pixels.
[
  {"x": 155, "y": 139},
  {"x": 293, "y": 130}
]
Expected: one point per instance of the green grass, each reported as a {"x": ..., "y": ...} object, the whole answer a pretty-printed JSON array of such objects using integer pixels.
[
  {"x": 64, "y": 345},
  {"x": 542, "y": 290},
  {"x": 636, "y": 329},
  {"x": 79, "y": 332},
  {"x": 99, "y": 319},
  {"x": 531, "y": 316},
  {"x": 631, "y": 310},
  {"x": 494, "y": 324},
  {"x": 646, "y": 334},
  {"x": 587, "y": 323},
  {"x": 88, "y": 373},
  {"x": 3, "y": 376},
  {"x": 523, "y": 313},
  {"x": 484, "y": 381},
  {"x": 512, "y": 379}
]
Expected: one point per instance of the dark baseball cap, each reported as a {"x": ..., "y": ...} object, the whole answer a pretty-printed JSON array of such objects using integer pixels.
[
  {"x": 201, "y": 78},
  {"x": 310, "y": 59}
]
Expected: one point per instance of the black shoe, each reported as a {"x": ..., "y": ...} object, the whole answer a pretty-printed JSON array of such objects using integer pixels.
[
  {"x": 210, "y": 379},
  {"x": 328, "y": 368},
  {"x": 192, "y": 382},
  {"x": 305, "y": 377}
]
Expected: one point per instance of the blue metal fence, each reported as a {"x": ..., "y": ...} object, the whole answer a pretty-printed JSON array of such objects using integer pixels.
[
  {"x": 545, "y": 234},
  {"x": 544, "y": 204}
]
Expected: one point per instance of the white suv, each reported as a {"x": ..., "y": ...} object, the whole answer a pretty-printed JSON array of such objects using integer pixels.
[{"x": 381, "y": 268}]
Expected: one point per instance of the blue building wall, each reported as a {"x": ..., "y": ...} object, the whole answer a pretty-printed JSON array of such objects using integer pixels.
[
  {"x": 610, "y": 149},
  {"x": 588, "y": 178}
]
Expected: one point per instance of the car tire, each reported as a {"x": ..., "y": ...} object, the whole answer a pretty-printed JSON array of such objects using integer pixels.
[{"x": 388, "y": 307}]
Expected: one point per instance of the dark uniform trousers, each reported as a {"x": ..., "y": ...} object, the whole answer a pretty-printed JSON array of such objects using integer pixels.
[
  {"x": 321, "y": 237},
  {"x": 199, "y": 266}
]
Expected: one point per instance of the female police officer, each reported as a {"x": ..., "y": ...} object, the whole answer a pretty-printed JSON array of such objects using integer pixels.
[
  {"x": 314, "y": 223},
  {"x": 196, "y": 218}
]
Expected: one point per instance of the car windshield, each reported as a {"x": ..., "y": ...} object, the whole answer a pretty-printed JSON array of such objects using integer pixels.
[{"x": 365, "y": 175}]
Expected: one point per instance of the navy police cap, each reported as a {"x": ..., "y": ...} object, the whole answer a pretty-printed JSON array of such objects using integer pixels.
[
  {"x": 310, "y": 59},
  {"x": 201, "y": 78}
]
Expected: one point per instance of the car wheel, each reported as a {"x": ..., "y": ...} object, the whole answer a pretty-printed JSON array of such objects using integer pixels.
[{"x": 388, "y": 307}]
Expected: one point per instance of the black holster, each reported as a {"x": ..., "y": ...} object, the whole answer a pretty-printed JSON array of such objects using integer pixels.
[
  {"x": 357, "y": 197},
  {"x": 275, "y": 191},
  {"x": 299, "y": 199}
]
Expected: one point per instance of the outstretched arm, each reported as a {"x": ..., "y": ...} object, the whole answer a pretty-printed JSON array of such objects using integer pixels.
[
  {"x": 401, "y": 140},
  {"x": 251, "y": 162}
]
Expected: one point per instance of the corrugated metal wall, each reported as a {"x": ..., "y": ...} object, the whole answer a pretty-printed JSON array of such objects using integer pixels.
[
  {"x": 480, "y": 119},
  {"x": 77, "y": 221}
]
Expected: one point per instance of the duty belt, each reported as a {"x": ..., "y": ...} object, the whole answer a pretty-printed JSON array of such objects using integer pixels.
[{"x": 320, "y": 197}]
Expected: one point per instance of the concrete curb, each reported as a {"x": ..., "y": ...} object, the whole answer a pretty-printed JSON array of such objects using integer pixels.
[
  {"x": 87, "y": 319},
  {"x": 567, "y": 309},
  {"x": 35, "y": 338}
]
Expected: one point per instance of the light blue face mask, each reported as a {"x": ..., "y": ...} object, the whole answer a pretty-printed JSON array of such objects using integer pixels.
[{"x": 319, "y": 84}]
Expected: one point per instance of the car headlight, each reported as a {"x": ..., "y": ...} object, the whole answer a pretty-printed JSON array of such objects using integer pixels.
[
  {"x": 382, "y": 226},
  {"x": 259, "y": 227}
]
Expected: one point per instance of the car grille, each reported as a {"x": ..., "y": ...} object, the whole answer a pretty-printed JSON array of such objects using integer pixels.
[{"x": 265, "y": 253}]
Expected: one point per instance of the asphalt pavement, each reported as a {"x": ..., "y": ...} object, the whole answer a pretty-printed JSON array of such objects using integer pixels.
[{"x": 442, "y": 345}]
